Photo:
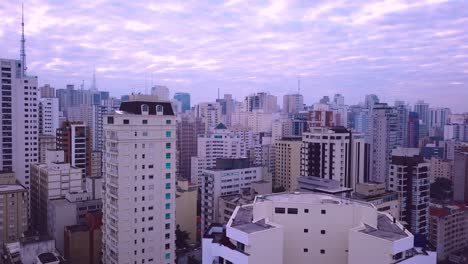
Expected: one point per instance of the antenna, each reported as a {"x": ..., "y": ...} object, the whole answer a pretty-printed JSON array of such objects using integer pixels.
[
  {"x": 82, "y": 85},
  {"x": 298, "y": 85},
  {"x": 23, "y": 44},
  {"x": 93, "y": 85},
  {"x": 218, "y": 93}
]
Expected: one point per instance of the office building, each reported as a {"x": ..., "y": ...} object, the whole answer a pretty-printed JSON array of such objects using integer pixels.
[
  {"x": 448, "y": 228},
  {"x": 188, "y": 130},
  {"x": 371, "y": 100},
  {"x": 376, "y": 194},
  {"x": 46, "y": 142},
  {"x": 222, "y": 143},
  {"x": 228, "y": 106},
  {"x": 422, "y": 109},
  {"x": 74, "y": 138},
  {"x": 338, "y": 99},
  {"x": 335, "y": 153},
  {"x": 184, "y": 99},
  {"x": 282, "y": 128},
  {"x": 458, "y": 132},
  {"x": 228, "y": 177},
  {"x": 186, "y": 208},
  {"x": 20, "y": 120},
  {"x": 51, "y": 180},
  {"x": 439, "y": 117},
  {"x": 409, "y": 177},
  {"x": 263, "y": 102},
  {"x": 162, "y": 92},
  {"x": 383, "y": 135},
  {"x": 412, "y": 140},
  {"x": 293, "y": 103},
  {"x": 139, "y": 177},
  {"x": 14, "y": 203},
  {"x": 210, "y": 114},
  {"x": 300, "y": 227},
  {"x": 48, "y": 116},
  {"x": 91, "y": 116},
  {"x": 288, "y": 163},
  {"x": 441, "y": 168},
  {"x": 460, "y": 175}
]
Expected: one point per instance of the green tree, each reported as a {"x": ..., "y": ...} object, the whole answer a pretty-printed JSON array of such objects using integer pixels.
[
  {"x": 181, "y": 238},
  {"x": 441, "y": 189}
]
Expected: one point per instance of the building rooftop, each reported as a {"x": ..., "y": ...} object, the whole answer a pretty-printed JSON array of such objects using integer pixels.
[
  {"x": 11, "y": 187},
  {"x": 47, "y": 258},
  {"x": 439, "y": 210},
  {"x": 310, "y": 198},
  {"x": 243, "y": 221},
  {"x": 135, "y": 107},
  {"x": 386, "y": 229},
  {"x": 77, "y": 228}
]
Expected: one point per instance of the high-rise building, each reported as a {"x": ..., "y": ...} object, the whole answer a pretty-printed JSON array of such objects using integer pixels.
[
  {"x": 371, "y": 100},
  {"x": 379, "y": 196},
  {"x": 335, "y": 153},
  {"x": 92, "y": 117},
  {"x": 228, "y": 177},
  {"x": 221, "y": 143},
  {"x": 441, "y": 168},
  {"x": 186, "y": 208},
  {"x": 51, "y": 180},
  {"x": 282, "y": 127},
  {"x": 409, "y": 177},
  {"x": 264, "y": 102},
  {"x": 402, "y": 111},
  {"x": 422, "y": 109},
  {"x": 300, "y": 227},
  {"x": 188, "y": 130},
  {"x": 48, "y": 116},
  {"x": 448, "y": 229},
  {"x": 20, "y": 120},
  {"x": 74, "y": 138},
  {"x": 293, "y": 103},
  {"x": 162, "y": 92},
  {"x": 14, "y": 203},
  {"x": 184, "y": 99},
  {"x": 210, "y": 113},
  {"x": 46, "y": 142},
  {"x": 439, "y": 117},
  {"x": 139, "y": 179},
  {"x": 412, "y": 140},
  {"x": 457, "y": 132},
  {"x": 47, "y": 91},
  {"x": 228, "y": 106},
  {"x": 288, "y": 163},
  {"x": 338, "y": 99},
  {"x": 460, "y": 175},
  {"x": 383, "y": 135}
]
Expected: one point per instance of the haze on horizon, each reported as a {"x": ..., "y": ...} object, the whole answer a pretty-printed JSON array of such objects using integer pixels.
[{"x": 397, "y": 49}]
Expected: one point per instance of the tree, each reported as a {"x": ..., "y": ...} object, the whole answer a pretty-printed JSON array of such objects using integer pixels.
[
  {"x": 441, "y": 189},
  {"x": 181, "y": 238},
  {"x": 279, "y": 189}
]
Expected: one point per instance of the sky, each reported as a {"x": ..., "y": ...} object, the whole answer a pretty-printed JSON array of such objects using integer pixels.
[{"x": 407, "y": 50}]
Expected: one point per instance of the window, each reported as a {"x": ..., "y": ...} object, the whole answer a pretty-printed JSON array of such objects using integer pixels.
[
  {"x": 306, "y": 250},
  {"x": 322, "y": 232},
  {"x": 240, "y": 246},
  {"x": 168, "y": 185},
  {"x": 292, "y": 211},
  {"x": 168, "y": 155},
  {"x": 168, "y": 145},
  {"x": 324, "y": 211},
  {"x": 168, "y": 206},
  {"x": 168, "y": 216},
  {"x": 159, "y": 108},
  {"x": 167, "y": 236},
  {"x": 126, "y": 121},
  {"x": 168, "y": 246},
  {"x": 168, "y": 256},
  {"x": 168, "y": 134},
  {"x": 168, "y": 196},
  {"x": 168, "y": 175},
  {"x": 167, "y": 226},
  {"x": 279, "y": 210},
  {"x": 322, "y": 251},
  {"x": 306, "y": 211},
  {"x": 168, "y": 122},
  {"x": 306, "y": 230},
  {"x": 145, "y": 121},
  {"x": 110, "y": 120},
  {"x": 168, "y": 165},
  {"x": 144, "y": 108}
]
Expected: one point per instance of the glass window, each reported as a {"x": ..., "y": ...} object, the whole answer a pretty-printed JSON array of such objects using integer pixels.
[
  {"x": 168, "y": 255},
  {"x": 168, "y": 122},
  {"x": 168, "y": 175},
  {"x": 168, "y": 165},
  {"x": 168, "y": 155},
  {"x": 280, "y": 210},
  {"x": 292, "y": 210},
  {"x": 168, "y": 185},
  {"x": 168, "y": 134},
  {"x": 168, "y": 145},
  {"x": 168, "y": 196},
  {"x": 168, "y": 206},
  {"x": 168, "y": 216}
]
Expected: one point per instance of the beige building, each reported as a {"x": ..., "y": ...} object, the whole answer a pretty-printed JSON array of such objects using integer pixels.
[
  {"x": 13, "y": 210},
  {"x": 51, "y": 180},
  {"x": 96, "y": 164},
  {"x": 448, "y": 228},
  {"x": 441, "y": 168},
  {"x": 383, "y": 200},
  {"x": 288, "y": 163},
  {"x": 7, "y": 177},
  {"x": 186, "y": 208},
  {"x": 46, "y": 142}
]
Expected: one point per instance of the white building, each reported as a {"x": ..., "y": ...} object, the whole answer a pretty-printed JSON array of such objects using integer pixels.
[
  {"x": 335, "y": 153},
  {"x": 162, "y": 92},
  {"x": 139, "y": 178},
  {"x": 210, "y": 113},
  {"x": 258, "y": 121},
  {"x": 92, "y": 117},
  {"x": 456, "y": 132},
  {"x": 409, "y": 177},
  {"x": 303, "y": 227},
  {"x": 229, "y": 177},
  {"x": 282, "y": 127},
  {"x": 221, "y": 143},
  {"x": 48, "y": 116},
  {"x": 20, "y": 120},
  {"x": 264, "y": 102},
  {"x": 293, "y": 103},
  {"x": 383, "y": 135}
]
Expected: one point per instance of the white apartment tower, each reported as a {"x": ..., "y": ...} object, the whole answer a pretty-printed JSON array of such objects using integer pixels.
[
  {"x": 139, "y": 165},
  {"x": 48, "y": 116},
  {"x": 293, "y": 103},
  {"x": 210, "y": 113},
  {"x": 336, "y": 154},
  {"x": 20, "y": 120},
  {"x": 221, "y": 143},
  {"x": 162, "y": 92},
  {"x": 383, "y": 136}
]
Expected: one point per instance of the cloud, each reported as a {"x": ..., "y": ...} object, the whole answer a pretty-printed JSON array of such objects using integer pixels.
[{"x": 395, "y": 48}]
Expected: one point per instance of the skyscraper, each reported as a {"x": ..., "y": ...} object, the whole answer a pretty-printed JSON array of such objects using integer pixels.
[
  {"x": 460, "y": 175},
  {"x": 139, "y": 168},
  {"x": 48, "y": 116},
  {"x": 184, "y": 99},
  {"x": 371, "y": 100},
  {"x": 162, "y": 92},
  {"x": 422, "y": 109},
  {"x": 188, "y": 129},
  {"x": 261, "y": 101},
  {"x": 412, "y": 140},
  {"x": 383, "y": 135},
  {"x": 293, "y": 103}
]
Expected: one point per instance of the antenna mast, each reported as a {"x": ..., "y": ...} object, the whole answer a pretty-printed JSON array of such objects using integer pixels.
[
  {"x": 298, "y": 85},
  {"x": 23, "y": 44}
]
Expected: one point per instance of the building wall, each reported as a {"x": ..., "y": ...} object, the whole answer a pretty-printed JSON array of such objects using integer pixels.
[
  {"x": 14, "y": 212},
  {"x": 440, "y": 168},
  {"x": 288, "y": 163},
  {"x": 186, "y": 209},
  {"x": 460, "y": 186}
]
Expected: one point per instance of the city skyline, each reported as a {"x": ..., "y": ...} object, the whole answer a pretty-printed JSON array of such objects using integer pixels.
[{"x": 394, "y": 49}]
